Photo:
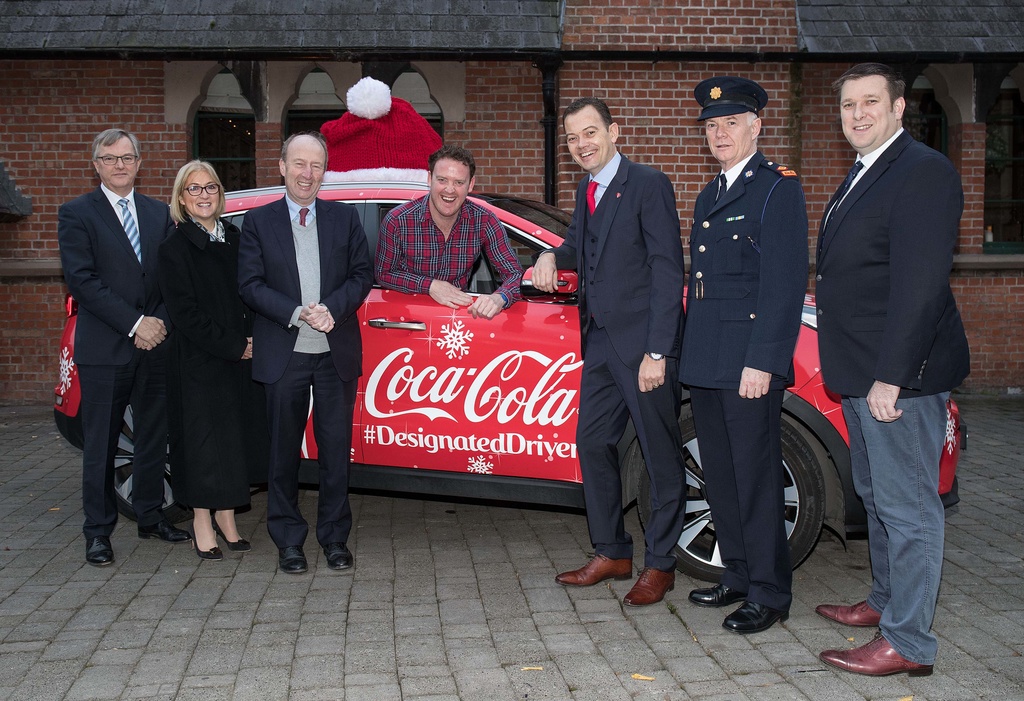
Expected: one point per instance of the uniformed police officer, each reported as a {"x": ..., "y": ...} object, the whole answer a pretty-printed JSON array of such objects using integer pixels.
[{"x": 748, "y": 275}]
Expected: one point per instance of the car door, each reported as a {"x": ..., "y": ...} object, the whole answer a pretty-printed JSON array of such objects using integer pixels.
[{"x": 443, "y": 391}]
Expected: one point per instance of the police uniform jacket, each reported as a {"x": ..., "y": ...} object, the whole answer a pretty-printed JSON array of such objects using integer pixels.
[{"x": 748, "y": 277}]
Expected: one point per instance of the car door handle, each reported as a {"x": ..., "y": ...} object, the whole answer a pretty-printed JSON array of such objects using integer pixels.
[{"x": 403, "y": 325}]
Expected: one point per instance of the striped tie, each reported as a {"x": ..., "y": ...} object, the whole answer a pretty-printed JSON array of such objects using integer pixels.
[{"x": 130, "y": 228}]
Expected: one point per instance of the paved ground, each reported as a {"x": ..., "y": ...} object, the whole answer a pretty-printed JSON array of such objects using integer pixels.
[{"x": 456, "y": 601}]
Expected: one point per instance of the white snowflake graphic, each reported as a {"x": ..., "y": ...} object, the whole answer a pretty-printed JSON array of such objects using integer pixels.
[
  {"x": 67, "y": 366},
  {"x": 481, "y": 465},
  {"x": 455, "y": 339},
  {"x": 950, "y": 434}
]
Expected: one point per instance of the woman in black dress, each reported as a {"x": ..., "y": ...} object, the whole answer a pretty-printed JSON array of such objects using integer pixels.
[{"x": 216, "y": 415}]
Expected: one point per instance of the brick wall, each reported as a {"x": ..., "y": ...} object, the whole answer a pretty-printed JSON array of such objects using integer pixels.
[
  {"x": 49, "y": 113},
  {"x": 502, "y": 128},
  {"x": 692, "y": 25}
]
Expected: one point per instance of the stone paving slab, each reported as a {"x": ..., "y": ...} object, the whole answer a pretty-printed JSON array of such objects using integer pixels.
[{"x": 457, "y": 602}]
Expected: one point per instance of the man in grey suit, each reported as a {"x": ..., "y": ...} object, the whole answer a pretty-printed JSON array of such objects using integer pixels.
[{"x": 108, "y": 248}]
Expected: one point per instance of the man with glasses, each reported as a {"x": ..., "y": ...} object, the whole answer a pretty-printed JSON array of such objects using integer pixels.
[{"x": 108, "y": 248}]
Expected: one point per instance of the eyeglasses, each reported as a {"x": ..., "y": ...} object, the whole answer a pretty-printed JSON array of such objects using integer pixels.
[
  {"x": 195, "y": 190},
  {"x": 128, "y": 160}
]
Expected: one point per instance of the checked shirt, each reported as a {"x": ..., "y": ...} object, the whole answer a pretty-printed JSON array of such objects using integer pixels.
[{"x": 412, "y": 251}]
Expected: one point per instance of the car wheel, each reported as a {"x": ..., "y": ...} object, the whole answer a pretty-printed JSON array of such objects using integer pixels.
[
  {"x": 697, "y": 553},
  {"x": 124, "y": 459}
]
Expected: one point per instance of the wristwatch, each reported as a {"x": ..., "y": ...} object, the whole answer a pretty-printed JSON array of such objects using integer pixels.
[{"x": 655, "y": 356}]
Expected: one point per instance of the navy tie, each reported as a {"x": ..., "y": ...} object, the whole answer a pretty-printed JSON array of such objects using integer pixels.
[
  {"x": 843, "y": 189},
  {"x": 723, "y": 185}
]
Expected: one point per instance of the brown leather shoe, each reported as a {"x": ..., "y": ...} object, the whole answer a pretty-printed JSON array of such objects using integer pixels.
[
  {"x": 597, "y": 570},
  {"x": 856, "y": 615},
  {"x": 650, "y": 588},
  {"x": 876, "y": 659}
]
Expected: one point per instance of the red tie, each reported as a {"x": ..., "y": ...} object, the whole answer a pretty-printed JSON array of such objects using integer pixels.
[
  {"x": 591, "y": 192},
  {"x": 302, "y": 216}
]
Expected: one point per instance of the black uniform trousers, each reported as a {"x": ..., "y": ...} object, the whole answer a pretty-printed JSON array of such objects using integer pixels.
[
  {"x": 741, "y": 458},
  {"x": 106, "y": 391},
  {"x": 609, "y": 396},
  {"x": 287, "y": 414}
]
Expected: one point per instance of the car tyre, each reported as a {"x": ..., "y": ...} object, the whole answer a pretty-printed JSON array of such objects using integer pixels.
[
  {"x": 71, "y": 428},
  {"x": 697, "y": 553}
]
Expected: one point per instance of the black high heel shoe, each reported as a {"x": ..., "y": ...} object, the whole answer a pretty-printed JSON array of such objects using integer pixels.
[
  {"x": 239, "y": 546},
  {"x": 213, "y": 553}
]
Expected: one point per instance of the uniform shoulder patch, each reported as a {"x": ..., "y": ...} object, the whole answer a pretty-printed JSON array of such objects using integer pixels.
[{"x": 784, "y": 171}]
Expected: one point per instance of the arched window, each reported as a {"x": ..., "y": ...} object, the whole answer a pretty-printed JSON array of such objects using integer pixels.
[
  {"x": 224, "y": 133},
  {"x": 1004, "y": 172},
  {"x": 317, "y": 103},
  {"x": 411, "y": 87},
  {"x": 924, "y": 117}
]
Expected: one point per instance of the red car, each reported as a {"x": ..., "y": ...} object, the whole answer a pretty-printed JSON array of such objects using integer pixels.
[{"x": 462, "y": 407}]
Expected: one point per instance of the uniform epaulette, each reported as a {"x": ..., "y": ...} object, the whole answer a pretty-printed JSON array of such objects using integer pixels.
[{"x": 780, "y": 169}]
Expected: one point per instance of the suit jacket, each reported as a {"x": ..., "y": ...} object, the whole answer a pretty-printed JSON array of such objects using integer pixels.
[
  {"x": 103, "y": 274},
  {"x": 268, "y": 279},
  {"x": 885, "y": 308},
  {"x": 636, "y": 287},
  {"x": 748, "y": 277}
]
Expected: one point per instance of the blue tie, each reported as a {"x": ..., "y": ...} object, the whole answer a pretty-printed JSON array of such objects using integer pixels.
[{"x": 130, "y": 228}]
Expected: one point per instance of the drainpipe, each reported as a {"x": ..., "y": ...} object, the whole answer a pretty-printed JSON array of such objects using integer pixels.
[{"x": 549, "y": 86}]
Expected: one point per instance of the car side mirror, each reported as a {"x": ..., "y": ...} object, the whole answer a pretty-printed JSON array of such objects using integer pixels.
[{"x": 568, "y": 283}]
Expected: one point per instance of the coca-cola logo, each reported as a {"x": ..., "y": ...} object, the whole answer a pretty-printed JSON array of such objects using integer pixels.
[{"x": 516, "y": 385}]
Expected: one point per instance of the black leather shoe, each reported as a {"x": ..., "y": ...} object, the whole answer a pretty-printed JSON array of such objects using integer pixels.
[
  {"x": 165, "y": 532},
  {"x": 98, "y": 551},
  {"x": 753, "y": 617},
  {"x": 239, "y": 546},
  {"x": 718, "y": 595},
  {"x": 292, "y": 560},
  {"x": 338, "y": 556}
]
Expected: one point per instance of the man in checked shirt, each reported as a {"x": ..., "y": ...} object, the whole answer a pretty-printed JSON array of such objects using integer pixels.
[{"x": 429, "y": 245}]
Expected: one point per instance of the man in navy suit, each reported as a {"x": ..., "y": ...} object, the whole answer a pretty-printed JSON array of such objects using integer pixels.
[
  {"x": 304, "y": 268},
  {"x": 624, "y": 243},
  {"x": 893, "y": 345},
  {"x": 748, "y": 276},
  {"x": 108, "y": 249}
]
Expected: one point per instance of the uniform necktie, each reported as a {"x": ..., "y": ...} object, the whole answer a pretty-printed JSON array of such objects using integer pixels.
[
  {"x": 844, "y": 188},
  {"x": 302, "y": 216},
  {"x": 591, "y": 196},
  {"x": 723, "y": 185},
  {"x": 130, "y": 228}
]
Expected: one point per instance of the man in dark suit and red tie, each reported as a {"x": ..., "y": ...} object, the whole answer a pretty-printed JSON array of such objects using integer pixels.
[
  {"x": 893, "y": 345},
  {"x": 624, "y": 243},
  {"x": 108, "y": 248},
  {"x": 304, "y": 268},
  {"x": 748, "y": 276}
]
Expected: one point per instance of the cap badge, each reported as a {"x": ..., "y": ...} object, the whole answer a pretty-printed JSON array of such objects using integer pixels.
[{"x": 716, "y": 92}]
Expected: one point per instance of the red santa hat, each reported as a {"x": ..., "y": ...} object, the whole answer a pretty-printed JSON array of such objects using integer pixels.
[{"x": 380, "y": 138}]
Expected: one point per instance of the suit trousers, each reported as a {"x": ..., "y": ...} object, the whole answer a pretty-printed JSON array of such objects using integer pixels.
[
  {"x": 106, "y": 391},
  {"x": 609, "y": 396},
  {"x": 896, "y": 475},
  {"x": 741, "y": 458},
  {"x": 287, "y": 413}
]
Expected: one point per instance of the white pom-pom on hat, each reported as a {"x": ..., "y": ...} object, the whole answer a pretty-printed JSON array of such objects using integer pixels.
[{"x": 369, "y": 98}]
